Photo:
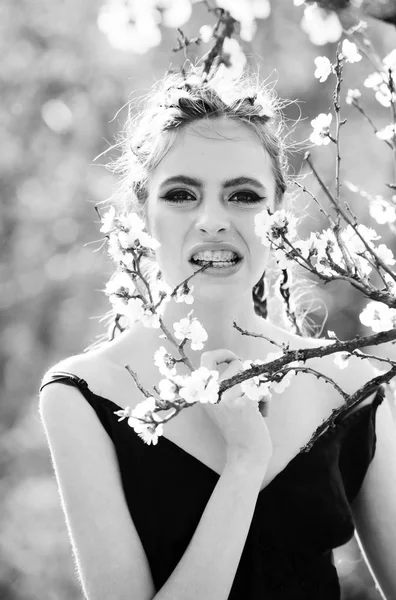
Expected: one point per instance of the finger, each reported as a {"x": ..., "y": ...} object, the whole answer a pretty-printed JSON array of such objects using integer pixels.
[
  {"x": 230, "y": 369},
  {"x": 213, "y": 358}
]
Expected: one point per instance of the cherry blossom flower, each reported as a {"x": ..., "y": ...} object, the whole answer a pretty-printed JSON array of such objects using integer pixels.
[
  {"x": 176, "y": 13},
  {"x": 281, "y": 258},
  {"x": 130, "y": 27},
  {"x": 115, "y": 250},
  {"x": 167, "y": 389},
  {"x": 120, "y": 283},
  {"x": 385, "y": 254},
  {"x": 352, "y": 95},
  {"x": 378, "y": 81},
  {"x": 272, "y": 228},
  {"x": 323, "y": 68},
  {"x": 173, "y": 95},
  {"x": 237, "y": 57},
  {"x": 164, "y": 362},
  {"x": 384, "y": 96},
  {"x": 134, "y": 226},
  {"x": 352, "y": 240},
  {"x": 328, "y": 251},
  {"x": 389, "y": 61},
  {"x": 134, "y": 310},
  {"x": 248, "y": 28},
  {"x": 326, "y": 243},
  {"x": 341, "y": 359},
  {"x": 321, "y": 129},
  {"x": 357, "y": 250},
  {"x": 108, "y": 220},
  {"x": 388, "y": 133},
  {"x": 206, "y": 33},
  {"x": 246, "y": 11},
  {"x": 307, "y": 247},
  {"x": 192, "y": 330},
  {"x": 374, "y": 80},
  {"x": 322, "y": 26},
  {"x": 150, "y": 319},
  {"x": 279, "y": 386},
  {"x": 256, "y": 387},
  {"x": 161, "y": 290},
  {"x": 235, "y": 61},
  {"x": 148, "y": 432},
  {"x": 184, "y": 294},
  {"x": 382, "y": 210},
  {"x": 378, "y": 316},
  {"x": 201, "y": 386},
  {"x": 265, "y": 107},
  {"x": 350, "y": 52},
  {"x": 261, "y": 8},
  {"x": 390, "y": 283}
]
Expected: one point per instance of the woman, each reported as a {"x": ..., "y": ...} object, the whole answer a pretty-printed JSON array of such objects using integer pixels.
[{"x": 225, "y": 506}]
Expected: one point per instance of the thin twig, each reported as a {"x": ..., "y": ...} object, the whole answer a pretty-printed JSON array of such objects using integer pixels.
[
  {"x": 260, "y": 335},
  {"x": 319, "y": 375},
  {"x": 322, "y": 210},
  {"x": 379, "y": 261},
  {"x": 356, "y": 104}
]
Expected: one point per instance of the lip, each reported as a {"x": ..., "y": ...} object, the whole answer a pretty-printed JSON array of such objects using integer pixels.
[{"x": 214, "y": 248}]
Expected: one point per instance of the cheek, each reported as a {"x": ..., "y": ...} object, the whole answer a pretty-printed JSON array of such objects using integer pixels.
[
  {"x": 162, "y": 229},
  {"x": 169, "y": 234},
  {"x": 154, "y": 220}
]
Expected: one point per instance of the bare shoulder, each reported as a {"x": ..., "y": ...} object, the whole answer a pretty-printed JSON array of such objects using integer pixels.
[
  {"x": 91, "y": 367},
  {"x": 103, "y": 370}
]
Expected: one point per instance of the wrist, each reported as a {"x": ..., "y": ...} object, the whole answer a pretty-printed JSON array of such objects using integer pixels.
[{"x": 246, "y": 458}]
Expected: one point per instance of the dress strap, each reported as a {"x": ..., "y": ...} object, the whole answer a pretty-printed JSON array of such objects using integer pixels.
[
  {"x": 68, "y": 379},
  {"x": 82, "y": 385}
]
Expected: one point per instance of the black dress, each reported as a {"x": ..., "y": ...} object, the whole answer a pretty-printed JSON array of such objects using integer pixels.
[{"x": 302, "y": 514}]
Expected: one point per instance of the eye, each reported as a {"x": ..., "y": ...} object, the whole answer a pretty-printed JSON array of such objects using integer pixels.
[
  {"x": 178, "y": 196},
  {"x": 247, "y": 197}
]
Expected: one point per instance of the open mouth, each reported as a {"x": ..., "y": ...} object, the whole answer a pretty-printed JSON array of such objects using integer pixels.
[
  {"x": 227, "y": 263},
  {"x": 217, "y": 268},
  {"x": 216, "y": 263}
]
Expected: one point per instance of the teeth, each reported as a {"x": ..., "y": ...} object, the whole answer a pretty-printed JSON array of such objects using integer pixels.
[{"x": 219, "y": 255}]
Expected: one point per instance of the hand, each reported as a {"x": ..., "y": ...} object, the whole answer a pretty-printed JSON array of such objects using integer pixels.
[{"x": 238, "y": 418}]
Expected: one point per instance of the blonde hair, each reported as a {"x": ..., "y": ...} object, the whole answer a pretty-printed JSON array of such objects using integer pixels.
[{"x": 178, "y": 100}]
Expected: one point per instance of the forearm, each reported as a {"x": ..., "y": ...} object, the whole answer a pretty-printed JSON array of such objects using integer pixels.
[{"x": 207, "y": 568}]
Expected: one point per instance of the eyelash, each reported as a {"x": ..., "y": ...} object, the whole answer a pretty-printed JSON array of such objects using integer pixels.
[{"x": 170, "y": 197}]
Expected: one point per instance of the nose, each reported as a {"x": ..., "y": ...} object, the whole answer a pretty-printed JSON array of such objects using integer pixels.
[{"x": 213, "y": 219}]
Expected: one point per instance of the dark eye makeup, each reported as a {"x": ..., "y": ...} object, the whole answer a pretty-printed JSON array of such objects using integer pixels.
[{"x": 179, "y": 196}]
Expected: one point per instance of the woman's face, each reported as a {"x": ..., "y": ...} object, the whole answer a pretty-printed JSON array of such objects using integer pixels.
[{"x": 208, "y": 188}]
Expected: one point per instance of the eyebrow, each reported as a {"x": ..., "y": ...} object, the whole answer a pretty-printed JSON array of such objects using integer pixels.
[{"x": 243, "y": 180}]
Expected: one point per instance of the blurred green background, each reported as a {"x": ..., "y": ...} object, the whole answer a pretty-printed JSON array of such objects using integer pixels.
[{"x": 63, "y": 83}]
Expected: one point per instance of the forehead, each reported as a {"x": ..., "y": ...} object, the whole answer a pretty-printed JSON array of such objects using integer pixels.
[{"x": 215, "y": 150}]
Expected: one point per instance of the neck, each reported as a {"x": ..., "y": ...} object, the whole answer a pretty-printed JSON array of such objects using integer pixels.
[{"x": 217, "y": 319}]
